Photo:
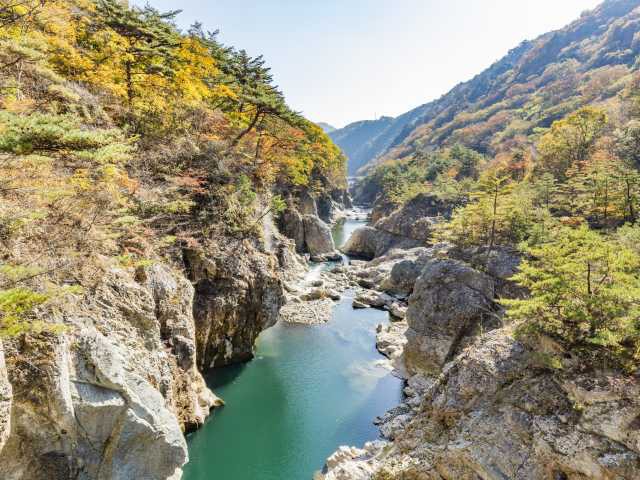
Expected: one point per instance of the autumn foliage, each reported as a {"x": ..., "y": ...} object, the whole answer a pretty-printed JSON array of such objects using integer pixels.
[{"x": 123, "y": 139}]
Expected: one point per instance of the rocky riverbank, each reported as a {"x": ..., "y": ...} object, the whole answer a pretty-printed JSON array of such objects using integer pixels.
[
  {"x": 407, "y": 226},
  {"x": 479, "y": 404},
  {"x": 111, "y": 393}
]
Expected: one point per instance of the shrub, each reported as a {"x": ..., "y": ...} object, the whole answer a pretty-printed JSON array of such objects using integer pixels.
[{"x": 585, "y": 294}]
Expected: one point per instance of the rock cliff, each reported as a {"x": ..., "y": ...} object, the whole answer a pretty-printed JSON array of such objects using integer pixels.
[
  {"x": 238, "y": 293},
  {"x": 109, "y": 397},
  {"x": 480, "y": 404},
  {"x": 307, "y": 220},
  {"x": 495, "y": 414}
]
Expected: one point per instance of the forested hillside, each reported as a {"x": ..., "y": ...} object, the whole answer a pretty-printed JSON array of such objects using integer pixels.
[
  {"x": 588, "y": 62},
  {"x": 123, "y": 139},
  {"x": 541, "y": 154}
]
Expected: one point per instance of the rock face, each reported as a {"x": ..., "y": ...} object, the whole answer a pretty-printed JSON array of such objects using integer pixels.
[
  {"x": 493, "y": 414},
  {"x": 405, "y": 273},
  {"x": 308, "y": 230},
  {"x": 396, "y": 272},
  {"x": 238, "y": 294},
  {"x": 292, "y": 226},
  {"x": 329, "y": 208},
  {"x": 307, "y": 204},
  {"x": 501, "y": 263},
  {"x": 390, "y": 340},
  {"x": 406, "y": 227},
  {"x": 369, "y": 243},
  {"x": 480, "y": 404},
  {"x": 451, "y": 302},
  {"x": 317, "y": 236},
  {"x": 110, "y": 396},
  {"x": 415, "y": 219}
]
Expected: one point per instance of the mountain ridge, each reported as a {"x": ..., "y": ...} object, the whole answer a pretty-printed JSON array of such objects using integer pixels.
[{"x": 486, "y": 112}]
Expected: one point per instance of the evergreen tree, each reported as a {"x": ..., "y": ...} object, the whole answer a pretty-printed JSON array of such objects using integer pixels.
[
  {"x": 545, "y": 189},
  {"x": 584, "y": 293},
  {"x": 150, "y": 41},
  {"x": 256, "y": 96}
]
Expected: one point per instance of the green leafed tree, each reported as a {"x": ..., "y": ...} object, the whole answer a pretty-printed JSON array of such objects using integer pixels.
[
  {"x": 499, "y": 213},
  {"x": 571, "y": 140},
  {"x": 585, "y": 294}
]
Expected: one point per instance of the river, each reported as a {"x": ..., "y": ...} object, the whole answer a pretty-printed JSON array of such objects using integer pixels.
[{"x": 309, "y": 390}]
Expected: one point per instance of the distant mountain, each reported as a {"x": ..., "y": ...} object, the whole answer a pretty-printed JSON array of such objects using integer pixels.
[
  {"x": 326, "y": 127},
  {"x": 588, "y": 62}
]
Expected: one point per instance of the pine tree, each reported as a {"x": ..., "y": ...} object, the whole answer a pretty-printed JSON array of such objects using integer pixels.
[
  {"x": 492, "y": 187},
  {"x": 546, "y": 189},
  {"x": 256, "y": 95},
  {"x": 150, "y": 41},
  {"x": 584, "y": 293},
  {"x": 628, "y": 192}
]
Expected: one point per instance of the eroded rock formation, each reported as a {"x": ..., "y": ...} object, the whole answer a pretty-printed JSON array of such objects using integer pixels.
[
  {"x": 307, "y": 220},
  {"x": 405, "y": 227},
  {"x": 238, "y": 294},
  {"x": 109, "y": 397},
  {"x": 480, "y": 404},
  {"x": 451, "y": 303}
]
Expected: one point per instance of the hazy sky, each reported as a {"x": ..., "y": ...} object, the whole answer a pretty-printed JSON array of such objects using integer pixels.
[{"x": 339, "y": 61}]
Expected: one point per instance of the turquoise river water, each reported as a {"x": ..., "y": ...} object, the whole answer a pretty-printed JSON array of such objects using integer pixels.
[{"x": 309, "y": 390}]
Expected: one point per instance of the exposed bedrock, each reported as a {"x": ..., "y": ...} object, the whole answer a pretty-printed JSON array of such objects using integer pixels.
[
  {"x": 494, "y": 413},
  {"x": 238, "y": 294},
  {"x": 110, "y": 396},
  {"x": 304, "y": 223},
  {"x": 405, "y": 227},
  {"x": 450, "y": 304},
  {"x": 480, "y": 404}
]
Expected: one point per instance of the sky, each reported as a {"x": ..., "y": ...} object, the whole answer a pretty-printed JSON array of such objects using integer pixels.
[{"x": 339, "y": 61}]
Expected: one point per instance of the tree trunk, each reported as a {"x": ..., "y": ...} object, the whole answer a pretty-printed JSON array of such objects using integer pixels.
[
  {"x": 632, "y": 213},
  {"x": 492, "y": 237},
  {"x": 246, "y": 130}
]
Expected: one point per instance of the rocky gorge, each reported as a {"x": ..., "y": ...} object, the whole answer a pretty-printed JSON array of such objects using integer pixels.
[
  {"x": 191, "y": 288},
  {"x": 478, "y": 402},
  {"x": 111, "y": 393}
]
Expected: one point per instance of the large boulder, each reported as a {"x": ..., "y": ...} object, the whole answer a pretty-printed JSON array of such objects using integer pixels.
[
  {"x": 317, "y": 236},
  {"x": 369, "y": 243},
  {"x": 415, "y": 219},
  {"x": 406, "y": 227},
  {"x": 395, "y": 272},
  {"x": 362, "y": 243},
  {"x": 451, "y": 302},
  {"x": 405, "y": 273},
  {"x": 238, "y": 294}
]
